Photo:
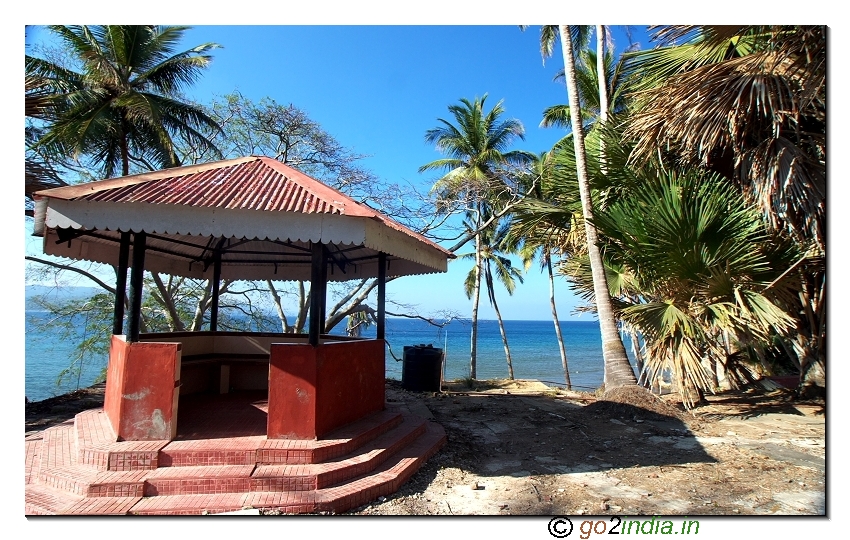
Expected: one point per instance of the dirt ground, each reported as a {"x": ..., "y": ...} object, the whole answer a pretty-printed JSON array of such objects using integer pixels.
[{"x": 521, "y": 448}]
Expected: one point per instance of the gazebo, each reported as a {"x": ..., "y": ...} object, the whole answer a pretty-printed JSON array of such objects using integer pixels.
[{"x": 251, "y": 218}]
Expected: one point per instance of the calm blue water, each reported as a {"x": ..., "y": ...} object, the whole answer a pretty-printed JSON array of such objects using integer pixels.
[{"x": 533, "y": 346}]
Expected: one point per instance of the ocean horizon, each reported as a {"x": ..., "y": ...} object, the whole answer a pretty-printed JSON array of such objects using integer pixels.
[{"x": 533, "y": 345}]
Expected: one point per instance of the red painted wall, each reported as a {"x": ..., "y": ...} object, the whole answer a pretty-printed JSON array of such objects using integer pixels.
[
  {"x": 313, "y": 390},
  {"x": 140, "y": 389}
]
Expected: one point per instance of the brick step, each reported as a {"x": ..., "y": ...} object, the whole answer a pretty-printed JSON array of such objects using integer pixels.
[
  {"x": 250, "y": 450},
  {"x": 271, "y": 478},
  {"x": 58, "y": 446},
  {"x": 194, "y": 480},
  {"x": 46, "y": 501},
  {"x": 209, "y": 479},
  {"x": 97, "y": 446},
  {"x": 188, "y": 505},
  {"x": 93, "y": 483},
  {"x": 384, "y": 480}
]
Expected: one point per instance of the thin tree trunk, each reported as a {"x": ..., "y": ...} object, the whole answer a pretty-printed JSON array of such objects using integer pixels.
[
  {"x": 600, "y": 74},
  {"x": 167, "y": 300},
  {"x": 284, "y": 322},
  {"x": 618, "y": 371},
  {"x": 475, "y": 297},
  {"x": 492, "y": 294},
  {"x": 561, "y": 347},
  {"x": 304, "y": 305},
  {"x": 602, "y": 80},
  {"x": 642, "y": 378}
]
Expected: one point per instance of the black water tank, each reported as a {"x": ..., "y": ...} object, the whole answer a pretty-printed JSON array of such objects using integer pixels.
[{"x": 422, "y": 369}]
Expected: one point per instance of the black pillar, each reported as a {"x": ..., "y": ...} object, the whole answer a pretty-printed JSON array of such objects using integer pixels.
[
  {"x": 137, "y": 274},
  {"x": 121, "y": 285},
  {"x": 215, "y": 284},
  {"x": 382, "y": 294},
  {"x": 318, "y": 291}
]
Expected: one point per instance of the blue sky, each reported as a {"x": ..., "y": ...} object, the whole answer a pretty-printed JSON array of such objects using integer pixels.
[{"x": 378, "y": 89}]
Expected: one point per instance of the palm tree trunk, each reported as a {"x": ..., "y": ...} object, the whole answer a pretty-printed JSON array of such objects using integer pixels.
[
  {"x": 561, "y": 347},
  {"x": 502, "y": 331},
  {"x": 602, "y": 80},
  {"x": 600, "y": 73},
  {"x": 475, "y": 297},
  {"x": 635, "y": 340},
  {"x": 618, "y": 371}
]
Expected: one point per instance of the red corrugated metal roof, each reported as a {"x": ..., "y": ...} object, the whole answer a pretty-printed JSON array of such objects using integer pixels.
[{"x": 250, "y": 183}]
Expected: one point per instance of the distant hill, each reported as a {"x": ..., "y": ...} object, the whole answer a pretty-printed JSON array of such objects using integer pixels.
[{"x": 56, "y": 293}]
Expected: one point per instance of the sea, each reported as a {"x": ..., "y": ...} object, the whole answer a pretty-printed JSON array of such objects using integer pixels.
[{"x": 533, "y": 345}]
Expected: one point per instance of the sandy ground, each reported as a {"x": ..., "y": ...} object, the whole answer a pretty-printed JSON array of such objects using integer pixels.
[{"x": 521, "y": 448}]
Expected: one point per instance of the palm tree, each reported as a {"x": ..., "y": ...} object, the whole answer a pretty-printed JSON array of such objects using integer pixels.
[
  {"x": 534, "y": 239},
  {"x": 618, "y": 371},
  {"x": 495, "y": 247},
  {"x": 477, "y": 147},
  {"x": 123, "y": 106},
  {"x": 588, "y": 80},
  {"x": 698, "y": 267},
  {"x": 749, "y": 102},
  {"x": 746, "y": 101}
]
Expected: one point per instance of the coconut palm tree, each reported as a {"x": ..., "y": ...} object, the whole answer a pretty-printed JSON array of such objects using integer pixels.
[
  {"x": 534, "y": 239},
  {"x": 587, "y": 79},
  {"x": 123, "y": 105},
  {"x": 618, "y": 371},
  {"x": 495, "y": 248},
  {"x": 477, "y": 146}
]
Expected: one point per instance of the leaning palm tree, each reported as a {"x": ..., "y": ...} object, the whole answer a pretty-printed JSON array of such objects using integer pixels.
[
  {"x": 123, "y": 105},
  {"x": 618, "y": 370},
  {"x": 495, "y": 248},
  {"x": 477, "y": 148}
]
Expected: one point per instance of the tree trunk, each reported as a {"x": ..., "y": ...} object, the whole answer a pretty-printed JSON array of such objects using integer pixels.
[
  {"x": 284, "y": 322},
  {"x": 618, "y": 371},
  {"x": 304, "y": 303},
  {"x": 600, "y": 74},
  {"x": 475, "y": 296},
  {"x": 167, "y": 300},
  {"x": 635, "y": 340},
  {"x": 492, "y": 294},
  {"x": 561, "y": 347}
]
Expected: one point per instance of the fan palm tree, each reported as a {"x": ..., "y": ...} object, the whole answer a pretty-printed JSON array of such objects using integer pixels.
[
  {"x": 750, "y": 103},
  {"x": 477, "y": 146},
  {"x": 697, "y": 265},
  {"x": 746, "y": 101},
  {"x": 495, "y": 248},
  {"x": 124, "y": 105}
]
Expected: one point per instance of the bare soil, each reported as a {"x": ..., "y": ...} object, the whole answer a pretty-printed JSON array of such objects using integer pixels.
[{"x": 522, "y": 448}]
